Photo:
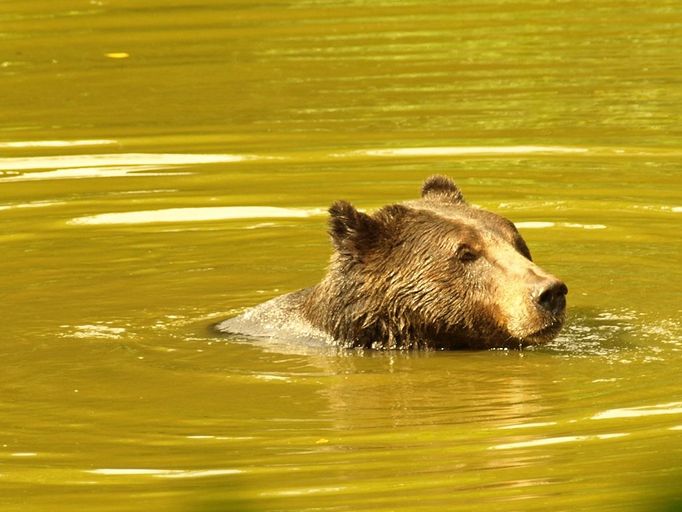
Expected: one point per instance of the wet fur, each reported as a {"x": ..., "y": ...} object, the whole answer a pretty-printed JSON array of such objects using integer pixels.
[{"x": 397, "y": 279}]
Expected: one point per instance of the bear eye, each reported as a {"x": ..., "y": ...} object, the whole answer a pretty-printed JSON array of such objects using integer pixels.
[{"x": 466, "y": 254}]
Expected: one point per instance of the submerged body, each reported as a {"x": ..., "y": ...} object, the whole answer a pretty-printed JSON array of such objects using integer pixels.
[{"x": 430, "y": 273}]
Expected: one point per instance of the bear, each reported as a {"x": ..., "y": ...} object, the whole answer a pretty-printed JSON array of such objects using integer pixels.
[{"x": 433, "y": 273}]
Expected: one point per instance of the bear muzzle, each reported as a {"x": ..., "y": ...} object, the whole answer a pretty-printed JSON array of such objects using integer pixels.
[
  {"x": 534, "y": 311},
  {"x": 548, "y": 298}
]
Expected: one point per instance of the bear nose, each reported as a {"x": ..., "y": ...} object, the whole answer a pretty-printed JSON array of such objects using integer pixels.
[{"x": 552, "y": 296}]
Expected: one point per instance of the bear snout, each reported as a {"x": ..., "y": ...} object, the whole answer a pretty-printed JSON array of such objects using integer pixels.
[{"x": 550, "y": 295}]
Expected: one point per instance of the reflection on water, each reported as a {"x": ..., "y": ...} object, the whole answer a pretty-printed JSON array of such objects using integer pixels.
[
  {"x": 555, "y": 440},
  {"x": 194, "y": 215},
  {"x": 465, "y": 151},
  {"x": 53, "y": 144},
  {"x": 615, "y": 335},
  {"x": 164, "y": 473},
  {"x": 638, "y": 412},
  {"x": 117, "y": 159}
]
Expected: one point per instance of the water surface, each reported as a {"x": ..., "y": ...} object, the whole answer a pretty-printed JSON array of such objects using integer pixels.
[{"x": 166, "y": 165}]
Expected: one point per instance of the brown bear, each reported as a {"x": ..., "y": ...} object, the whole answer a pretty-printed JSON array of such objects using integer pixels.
[{"x": 432, "y": 273}]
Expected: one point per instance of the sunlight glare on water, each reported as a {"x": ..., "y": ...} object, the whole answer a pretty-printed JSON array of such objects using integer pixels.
[{"x": 164, "y": 166}]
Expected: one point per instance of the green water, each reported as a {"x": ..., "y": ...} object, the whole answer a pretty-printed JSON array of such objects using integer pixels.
[{"x": 131, "y": 131}]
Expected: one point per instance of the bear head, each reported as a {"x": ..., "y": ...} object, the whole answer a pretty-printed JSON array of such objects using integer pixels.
[{"x": 435, "y": 273}]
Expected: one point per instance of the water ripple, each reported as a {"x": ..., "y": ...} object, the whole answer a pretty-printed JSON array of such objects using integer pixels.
[
  {"x": 194, "y": 214},
  {"x": 638, "y": 412}
]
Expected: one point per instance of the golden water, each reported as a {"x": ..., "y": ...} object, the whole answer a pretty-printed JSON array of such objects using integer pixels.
[{"x": 143, "y": 147}]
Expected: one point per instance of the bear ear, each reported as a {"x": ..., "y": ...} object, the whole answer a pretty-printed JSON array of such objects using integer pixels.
[
  {"x": 353, "y": 233},
  {"x": 442, "y": 188}
]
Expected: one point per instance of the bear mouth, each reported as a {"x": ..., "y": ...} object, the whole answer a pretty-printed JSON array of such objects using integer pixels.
[{"x": 545, "y": 334}]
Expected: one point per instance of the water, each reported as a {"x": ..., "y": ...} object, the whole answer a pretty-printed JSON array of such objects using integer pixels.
[{"x": 143, "y": 148}]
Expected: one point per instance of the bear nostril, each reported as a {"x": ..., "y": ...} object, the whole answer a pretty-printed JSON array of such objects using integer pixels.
[{"x": 553, "y": 297}]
